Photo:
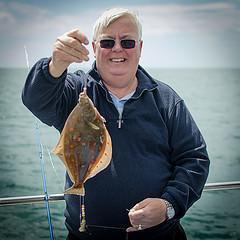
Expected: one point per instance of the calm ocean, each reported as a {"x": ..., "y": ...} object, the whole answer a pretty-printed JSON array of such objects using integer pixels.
[{"x": 213, "y": 97}]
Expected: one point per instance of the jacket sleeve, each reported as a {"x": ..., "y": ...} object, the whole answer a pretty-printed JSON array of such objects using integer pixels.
[
  {"x": 48, "y": 98},
  {"x": 189, "y": 159}
]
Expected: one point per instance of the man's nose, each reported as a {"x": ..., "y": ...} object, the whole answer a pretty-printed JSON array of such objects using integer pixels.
[{"x": 117, "y": 46}]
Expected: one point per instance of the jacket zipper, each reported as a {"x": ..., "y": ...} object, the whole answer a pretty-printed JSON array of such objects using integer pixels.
[{"x": 120, "y": 121}]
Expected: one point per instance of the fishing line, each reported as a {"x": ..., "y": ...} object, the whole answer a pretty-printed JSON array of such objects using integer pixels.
[
  {"x": 106, "y": 227},
  {"x": 54, "y": 169},
  {"x": 42, "y": 163},
  {"x": 44, "y": 181}
]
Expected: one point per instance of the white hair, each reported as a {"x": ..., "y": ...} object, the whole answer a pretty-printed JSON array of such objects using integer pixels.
[{"x": 110, "y": 16}]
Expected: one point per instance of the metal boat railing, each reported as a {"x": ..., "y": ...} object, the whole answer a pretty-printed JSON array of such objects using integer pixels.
[{"x": 60, "y": 196}]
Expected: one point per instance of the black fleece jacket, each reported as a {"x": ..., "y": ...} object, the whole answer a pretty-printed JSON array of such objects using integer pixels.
[{"x": 158, "y": 151}]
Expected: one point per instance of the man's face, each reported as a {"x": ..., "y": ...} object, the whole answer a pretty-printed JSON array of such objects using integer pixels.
[{"x": 117, "y": 62}]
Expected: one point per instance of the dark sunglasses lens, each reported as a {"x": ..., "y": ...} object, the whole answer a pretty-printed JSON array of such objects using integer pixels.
[
  {"x": 107, "y": 43},
  {"x": 128, "y": 43}
]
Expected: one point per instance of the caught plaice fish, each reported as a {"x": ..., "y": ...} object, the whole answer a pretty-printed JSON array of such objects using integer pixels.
[{"x": 85, "y": 145}]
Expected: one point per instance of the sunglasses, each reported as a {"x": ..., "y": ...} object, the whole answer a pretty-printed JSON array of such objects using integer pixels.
[{"x": 125, "y": 43}]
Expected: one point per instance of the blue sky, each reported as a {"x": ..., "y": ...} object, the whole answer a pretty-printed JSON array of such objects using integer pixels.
[{"x": 176, "y": 34}]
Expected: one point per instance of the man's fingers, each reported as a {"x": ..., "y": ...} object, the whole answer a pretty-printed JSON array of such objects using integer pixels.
[
  {"x": 135, "y": 228},
  {"x": 67, "y": 49},
  {"x": 67, "y": 57},
  {"x": 140, "y": 205},
  {"x": 77, "y": 34},
  {"x": 78, "y": 51},
  {"x": 137, "y": 215},
  {"x": 131, "y": 229},
  {"x": 73, "y": 43}
]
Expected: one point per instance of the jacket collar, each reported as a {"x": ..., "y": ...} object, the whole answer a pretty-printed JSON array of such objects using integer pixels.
[{"x": 145, "y": 81}]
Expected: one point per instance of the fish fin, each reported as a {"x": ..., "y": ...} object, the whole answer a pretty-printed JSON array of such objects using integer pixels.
[
  {"x": 75, "y": 190},
  {"x": 57, "y": 151},
  {"x": 105, "y": 157},
  {"x": 92, "y": 125},
  {"x": 103, "y": 119}
]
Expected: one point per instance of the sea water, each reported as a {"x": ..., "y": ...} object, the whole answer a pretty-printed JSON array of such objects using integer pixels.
[{"x": 213, "y": 97}]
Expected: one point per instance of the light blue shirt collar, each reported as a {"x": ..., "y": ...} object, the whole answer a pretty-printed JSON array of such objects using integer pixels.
[{"x": 119, "y": 102}]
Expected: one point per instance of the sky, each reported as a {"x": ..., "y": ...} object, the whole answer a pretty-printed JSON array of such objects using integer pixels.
[{"x": 176, "y": 34}]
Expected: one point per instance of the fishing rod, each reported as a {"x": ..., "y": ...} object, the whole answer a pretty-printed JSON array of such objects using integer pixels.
[
  {"x": 42, "y": 163},
  {"x": 60, "y": 196}
]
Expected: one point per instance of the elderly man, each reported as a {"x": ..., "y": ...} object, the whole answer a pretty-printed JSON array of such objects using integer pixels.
[{"x": 159, "y": 162}]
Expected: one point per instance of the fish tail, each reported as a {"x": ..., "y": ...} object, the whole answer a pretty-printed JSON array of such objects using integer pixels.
[{"x": 75, "y": 190}]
